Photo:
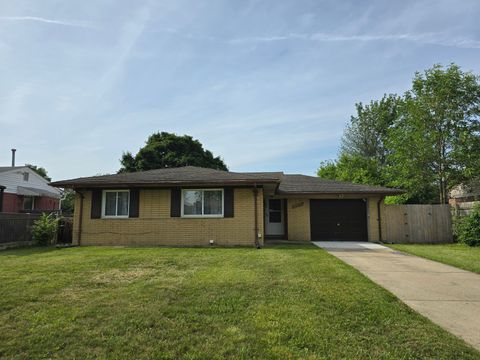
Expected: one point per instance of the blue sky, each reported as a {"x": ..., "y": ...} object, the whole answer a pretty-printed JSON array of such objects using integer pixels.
[{"x": 267, "y": 85}]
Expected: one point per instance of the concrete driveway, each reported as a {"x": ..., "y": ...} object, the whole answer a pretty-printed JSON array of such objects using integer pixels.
[{"x": 448, "y": 296}]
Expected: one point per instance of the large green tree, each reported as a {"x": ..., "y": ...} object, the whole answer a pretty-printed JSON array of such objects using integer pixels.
[
  {"x": 425, "y": 142},
  {"x": 436, "y": 141},
  {"x": 367, "y": 131},
  {"x": 363, "y": 153},
  {"x": 164, "y": 150}
]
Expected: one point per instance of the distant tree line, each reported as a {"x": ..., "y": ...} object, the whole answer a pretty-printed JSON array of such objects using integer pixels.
[{"x": 425, "y": 142}]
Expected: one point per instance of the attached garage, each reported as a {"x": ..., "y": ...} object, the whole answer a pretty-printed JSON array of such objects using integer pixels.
[{"x": 338, "y": 220}]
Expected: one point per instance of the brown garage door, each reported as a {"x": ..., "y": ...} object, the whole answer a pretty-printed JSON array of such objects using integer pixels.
[{"x": 342, "y": 220}]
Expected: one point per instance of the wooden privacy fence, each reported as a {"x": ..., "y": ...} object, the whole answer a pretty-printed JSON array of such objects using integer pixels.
[
  {"x": 16, "y": 228},
  {"x": 417, "y": 224},
  {"x": 65, "y": 230}
]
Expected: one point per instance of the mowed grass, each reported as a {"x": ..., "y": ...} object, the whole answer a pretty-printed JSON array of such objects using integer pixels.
[
  {"x": 459, "y": 255},
  {"x": 293, "y": 302}
]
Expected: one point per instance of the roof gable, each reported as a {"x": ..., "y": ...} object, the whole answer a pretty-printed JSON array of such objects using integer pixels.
[{"x": 11, "y": 168}]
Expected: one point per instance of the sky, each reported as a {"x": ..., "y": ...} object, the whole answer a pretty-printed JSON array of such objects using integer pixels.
[{"x": 268, "y": 85}]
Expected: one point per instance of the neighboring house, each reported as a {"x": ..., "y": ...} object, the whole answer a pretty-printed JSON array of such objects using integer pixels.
[
  {"x": 463, "y": 197},
  {"x": 465, "y": 193},
  {"x": 198, "y": 206},
  {"x": 26, "y": 191}
]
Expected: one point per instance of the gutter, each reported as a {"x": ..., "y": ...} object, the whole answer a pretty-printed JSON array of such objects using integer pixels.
[
  {"x": 380, "y": 236},
  {"x": 255, "y": 206},
  {"x": 2, "y": 188},
  {"x": 80, "y": 217},
  {"x": 161, "y": 184}
]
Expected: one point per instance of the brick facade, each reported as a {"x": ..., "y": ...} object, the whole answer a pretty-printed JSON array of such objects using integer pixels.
[
  {"x": 13, "y": 203},
  {"x": 155, "y": 226}
]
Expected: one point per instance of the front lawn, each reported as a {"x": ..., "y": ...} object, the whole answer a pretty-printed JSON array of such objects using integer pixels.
[
  {"x": 459, "y": 255},
  {"x": 169, "y": 303}
]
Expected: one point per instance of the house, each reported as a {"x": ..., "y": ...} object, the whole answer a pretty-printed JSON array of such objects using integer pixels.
[
  {"x": 467, "y": 192},
  {"x": 197, "y": 206},
  {"x": 23, "y": 190},
  {"x": 464, "y": 197}
]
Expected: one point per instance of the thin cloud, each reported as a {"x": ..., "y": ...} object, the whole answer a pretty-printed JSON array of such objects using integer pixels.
[
  {"x": 424, "y": 38},
  {"x": 79, "y": 24}
]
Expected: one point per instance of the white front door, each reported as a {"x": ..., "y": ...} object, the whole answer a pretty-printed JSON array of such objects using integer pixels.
[{"x": 274, "y": 217}]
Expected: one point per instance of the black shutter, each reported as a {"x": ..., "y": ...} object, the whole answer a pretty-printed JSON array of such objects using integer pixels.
[
  {"x": 175, "y": 202},
  {"x": 228, "y": 202},
  {"x": 134, "y": 203},
  {"x": 96, "y": 212}
]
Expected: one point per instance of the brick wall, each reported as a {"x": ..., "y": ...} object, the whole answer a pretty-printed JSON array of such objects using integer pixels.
[
  {"x": 154, "y": 226},
  {"x": 13, "y": 203},
  {"x": 298, "y": 215}
]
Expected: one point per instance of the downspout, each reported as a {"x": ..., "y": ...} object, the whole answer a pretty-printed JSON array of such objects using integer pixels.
[
  {"x": 80, "y": 217},
  {"x": 255, "y": 196},
  {"x": 2, "y": 188},
  {"x": 380, "y": 237}
]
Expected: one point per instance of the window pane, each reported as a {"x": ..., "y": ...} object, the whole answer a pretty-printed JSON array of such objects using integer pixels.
[
  {"x": 275, "y": 216},
  {"x": 275, "y": 204},
  {"x": 213, "y": 202},
  {"x": 192, "y": 202},
  {"x": 110, "y": 203},
  {"x": 28, "y": 203},
  {"x": 122, "y": 207}
]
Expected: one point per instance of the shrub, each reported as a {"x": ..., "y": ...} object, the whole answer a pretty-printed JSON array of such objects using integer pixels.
[
  {"x": 467, "y": 229},
  {"x": 45, "y": 229}
]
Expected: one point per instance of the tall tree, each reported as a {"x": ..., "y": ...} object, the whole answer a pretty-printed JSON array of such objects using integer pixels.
[
  {"x": 367, "y": 132},
  {"x": 436, "y": 141},
  {"x": 163, "y": 150},
  {"x": 353, "y": 168},
  {"x": 40, "y": 171},
  {"x": 363, "y": 152}
]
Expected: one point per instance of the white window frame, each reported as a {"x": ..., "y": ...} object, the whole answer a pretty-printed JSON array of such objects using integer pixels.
[
  {"x": 104, "y": 203},
  {"x": 203, "y": 204}
]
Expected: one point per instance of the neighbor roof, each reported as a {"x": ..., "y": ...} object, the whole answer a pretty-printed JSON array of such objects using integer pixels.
[
  {"x": 29, "y": 191},
  {"x": 188, "y": 175},
  {"x": 8, "y": 168},
  {"x": 303, "y": 184}
]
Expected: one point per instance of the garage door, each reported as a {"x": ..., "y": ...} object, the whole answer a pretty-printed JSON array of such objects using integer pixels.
[{"x": 342, "y": 220}]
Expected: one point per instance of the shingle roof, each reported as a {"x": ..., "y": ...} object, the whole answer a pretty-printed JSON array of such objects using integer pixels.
[
  {"x": 303, "y": 184},
  {"x": 173, "y": 176},
  {"x": 191, "y": 175}
]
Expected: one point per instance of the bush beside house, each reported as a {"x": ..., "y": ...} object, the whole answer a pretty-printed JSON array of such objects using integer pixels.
[
  {"x": 45, "y": 229},
  {"x": 467, "y": 228}
]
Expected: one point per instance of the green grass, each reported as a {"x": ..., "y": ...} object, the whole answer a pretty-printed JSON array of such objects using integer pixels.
[
  {"x": 459, "y": 255},
  {"x": 168, "y": 303}
]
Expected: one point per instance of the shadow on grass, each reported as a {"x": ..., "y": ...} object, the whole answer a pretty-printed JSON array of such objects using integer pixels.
[{"x": 28, "y": 251}]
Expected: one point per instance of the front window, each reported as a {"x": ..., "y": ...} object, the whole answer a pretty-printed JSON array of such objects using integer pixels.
[
  {"x": 115, "y": 203},
  {"x": 28, "y": 203},
  {"x": 202, "y": 203}
]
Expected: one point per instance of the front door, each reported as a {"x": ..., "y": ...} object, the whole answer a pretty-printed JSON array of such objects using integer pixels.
[{"x": 274, "y": 218}]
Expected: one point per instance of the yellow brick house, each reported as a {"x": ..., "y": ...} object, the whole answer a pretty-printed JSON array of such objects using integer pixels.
[{"x": 193, "y": 206}]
